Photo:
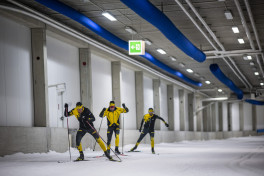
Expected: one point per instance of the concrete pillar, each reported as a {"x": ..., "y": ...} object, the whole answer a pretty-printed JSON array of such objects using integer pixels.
[
  {"x": 170, "y": 98},
  {"x": 241, "y": 116},
  {"x": 205, "y": 116},
  {"x": 254, "y": 118},
  {"x": 229, "y": 116},
  {"x": 181, "y": 108},
  {"x": 86, "y": 77},
  {"x": 190, "y": 111},
  {"x": 156, "y": 99},
  {"x": 40, "y": 82},
  {"x": 199, "y": 114},
  {"x": 139, "y": 97},
  {"x": 220, "y": 115},
  {"x": 116, "y": 82},
  {"x": 213, "y": 116}
]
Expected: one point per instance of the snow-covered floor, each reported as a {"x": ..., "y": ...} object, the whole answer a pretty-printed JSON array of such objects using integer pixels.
[{"x": 231, "y": 157}]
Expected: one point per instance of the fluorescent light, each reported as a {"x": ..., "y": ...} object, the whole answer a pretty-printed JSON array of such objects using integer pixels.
[
  {"x": 147, "y": 41},
  {"x": 246, "y": 57},
  {"x": 228, "y": 15},
  {"x": 161, "y": 51},
  {"x": 109, "y": 16},
  {"x": 196, "y": 74},
  {"x": 235, "y": 29},
  {"x": 207, "y": 82},
  {"x": 262, "y": 84},
  {"x": 241, "y": 41},
  {"x": 182, "y": 65},
  {"x": 220, "y": 90},
  {"x": 173, "y": 58},
  {"x": 130, "y": 30},
  {"x": 249, "y": 57},
  {"x": 256, "y": 73},
  {"x": 251, "y": 63},
  {"x": 189, "y": 70}
]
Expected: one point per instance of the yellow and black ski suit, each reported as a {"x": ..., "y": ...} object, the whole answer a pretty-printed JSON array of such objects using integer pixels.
[
  {"x": 113, "y": 124},
  {"x": 86, "y": 119},
  {"x": 149, "y": 123}
]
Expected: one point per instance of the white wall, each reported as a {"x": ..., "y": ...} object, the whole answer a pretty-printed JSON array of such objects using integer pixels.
[
  {"x": 16, "y": 92},
  {"x": 101, "y": 86},
  {"x": 176, "y": 109},
  {"x": 235, "y": 116},
  {"x": 247, "y": 111},
  {"x": 128, "y": 96},
  {"x": 62, "y": 67},
  {"x": 148, "y": 94},
  {"x": 225, "y": 114},
  {"x": 163, "y": 105},
  {"x": 260, "y": 117}
]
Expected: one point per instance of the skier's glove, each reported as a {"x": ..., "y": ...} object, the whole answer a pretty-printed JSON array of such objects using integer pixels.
[
  {"x": 66, "y": 105},
  {"x": 167, "y": 125},
  {"x": 124, "y": 106},
  {"x": 102, "y": 113},
  {"x": 139, "y": 130}
]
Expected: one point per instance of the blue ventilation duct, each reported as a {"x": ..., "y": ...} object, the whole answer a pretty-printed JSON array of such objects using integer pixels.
[
  {"x": 85, "y": 21},
  {"x": 153, "y": 15},
  {"x": 254, "y": 102},
  {"x": 221, "y": 77}
]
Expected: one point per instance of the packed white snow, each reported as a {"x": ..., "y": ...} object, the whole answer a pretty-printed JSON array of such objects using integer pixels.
[{"x": 230, "y": 157}]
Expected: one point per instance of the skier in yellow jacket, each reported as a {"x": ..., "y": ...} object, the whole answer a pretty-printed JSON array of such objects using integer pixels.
[{"x": 112, "y": 113}]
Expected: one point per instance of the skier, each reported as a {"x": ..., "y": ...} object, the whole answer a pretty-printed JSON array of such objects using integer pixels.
[
  {"x": 85, "y": 118},
  {"x": 112, "y": 113},
  {"x": 149, "y": 120}
]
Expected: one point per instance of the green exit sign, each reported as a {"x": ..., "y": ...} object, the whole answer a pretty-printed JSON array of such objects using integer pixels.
[{"x": 136, "y": 47}]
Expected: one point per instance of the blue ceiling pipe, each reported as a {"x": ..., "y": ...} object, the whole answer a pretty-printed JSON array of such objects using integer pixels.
[
  {"x": 221, "y": 77},
  {"x": 82, "y": 19},
  {"x": 254, "y": 102},
  {"x": 153, "y": 15}
]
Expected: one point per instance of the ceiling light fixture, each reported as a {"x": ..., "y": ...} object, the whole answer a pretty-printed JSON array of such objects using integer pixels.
[
  {"x": 207, "y": 82},
  {"x": 173, "y": 58},
  {"x": 182, "y": 65},
  {"x": 147, "y": 41},
  {"x": 249, "y": 57},
  {"x": 246, "y": 57},
  {"x": 109, "y": 16},
  {"x": 189, "y": 70},
  {"x": 220, "y": 90},
  {"x": 196, "y": 74},
  {"x": 241, "y": 41},
  {"x": 256, "y": 73},
  {"x": 228, "y": 15},
  {"x": 251, "y": 63},
  {"x": 161, "y": 51},
  {"x": 235, "y": 29},
  {"x": 262, "y": 84},
  {"x": 130, "y": 30}
]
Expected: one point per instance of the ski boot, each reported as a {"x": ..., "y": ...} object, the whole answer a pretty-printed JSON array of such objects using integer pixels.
[
  {"x": 117, "y": 151},
  {"x": 108, "y": 155},
  {"x": 153, "y": 151},
  {"x": 81, "y": 157},
  {"x": 134, "y": 148}
]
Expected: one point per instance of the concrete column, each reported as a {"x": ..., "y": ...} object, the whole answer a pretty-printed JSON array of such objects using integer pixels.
[
  {"x": 205, "y": 116},
  {"x": 229, "y": 116},
  {"x": 116, "y": 82},
  {"x": 220, "y": 115},
  {"x": 181, "y": 108},
  {"x": 254, "y": 118},
  {"x": 170, "y": 98},
  {"x": 86, "y": 77},
  {"x": 190, "y": 111},
  {"x": 213, "y": 116},
  {"x": 139, "y": 97},
  {"x": 40, "y": 82},
  {"x": 241, "y": 116},
  {"x": 199, "y": 114},
  {"x": 156, "y": 99}
]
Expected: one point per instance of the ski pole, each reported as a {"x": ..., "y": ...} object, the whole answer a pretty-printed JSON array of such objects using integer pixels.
[
  {"x": 103, "y": 139},
  {"x": 123, "y": 132},
  {"x": 98, "y": 132},
  {"x": 68, "y": 133}
]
